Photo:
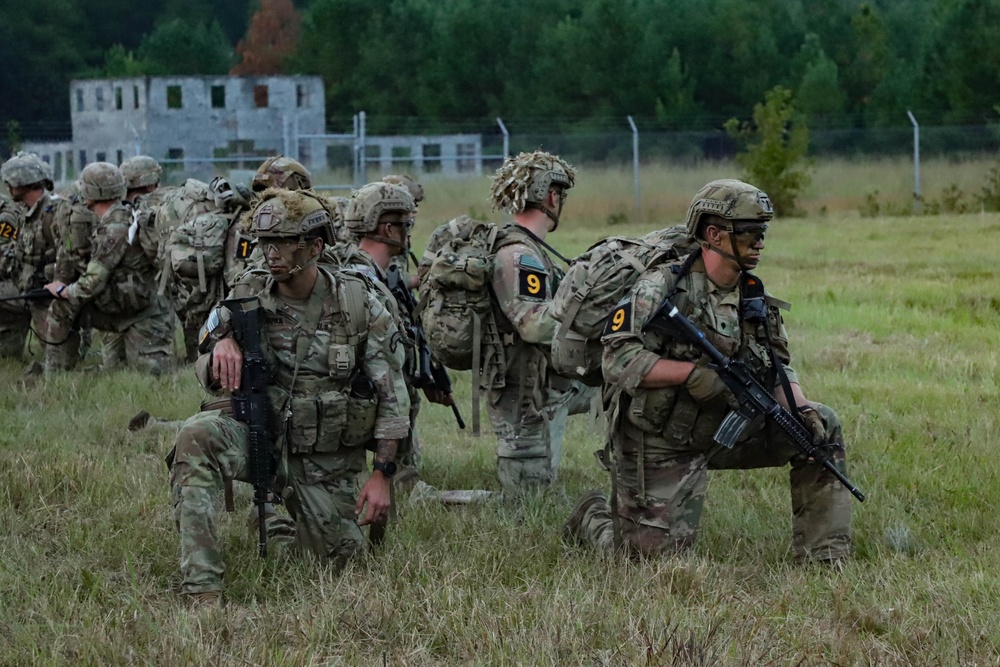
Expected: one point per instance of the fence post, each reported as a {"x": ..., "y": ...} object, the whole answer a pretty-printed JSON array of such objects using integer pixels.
[
  {"x": 506, "y": 138},
  {"x": 362, "y": 151},
  {"x": 917, "y": 199},
  {"x": 635, "y": 160}
]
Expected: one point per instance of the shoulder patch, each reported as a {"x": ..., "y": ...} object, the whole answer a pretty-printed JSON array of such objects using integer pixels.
[
  {"x": 531, "y": 283},
  {"x": 620, "y": 319},
  {"x": 530, "y": 262},
  {"x": 245, "y": 247}
]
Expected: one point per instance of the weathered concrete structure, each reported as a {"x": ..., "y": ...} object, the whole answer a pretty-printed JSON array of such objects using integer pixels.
[{"x": 192, "y": 120}]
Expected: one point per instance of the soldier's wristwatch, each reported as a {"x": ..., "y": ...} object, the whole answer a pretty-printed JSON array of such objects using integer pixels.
[{"x": 388, "y": 468}]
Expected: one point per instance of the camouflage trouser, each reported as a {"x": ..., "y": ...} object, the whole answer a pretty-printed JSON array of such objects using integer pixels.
[
  {"x": 16, "y": 317},
  {"x": 148, "y": 336},
  {"x": 408, "y": 453},
  {"x": 660, "y": 511},
  {"x": 319, "y": 490},
  {"x": 529, "y": 439}
]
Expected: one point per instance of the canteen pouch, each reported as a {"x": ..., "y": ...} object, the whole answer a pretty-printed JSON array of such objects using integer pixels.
[{"x": 362, "y": 410}]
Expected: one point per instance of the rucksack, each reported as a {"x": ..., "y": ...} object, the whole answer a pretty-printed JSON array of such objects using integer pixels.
[
  {"x": 192, "y": 234},
  {"x": 594, "y": 284}
]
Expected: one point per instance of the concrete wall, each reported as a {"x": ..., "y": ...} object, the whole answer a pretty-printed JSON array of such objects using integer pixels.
[{"x": 193, "y": 119}]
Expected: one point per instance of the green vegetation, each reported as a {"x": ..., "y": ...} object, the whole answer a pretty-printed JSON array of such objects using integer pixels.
[
  {"x": 894, "y": 324},
  {"x": 686, "y": 64}
]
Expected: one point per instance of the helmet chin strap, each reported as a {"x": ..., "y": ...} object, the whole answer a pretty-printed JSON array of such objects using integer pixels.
[
  {"x": 734, "y": 255},
  {"x": 541, "y": 207}
]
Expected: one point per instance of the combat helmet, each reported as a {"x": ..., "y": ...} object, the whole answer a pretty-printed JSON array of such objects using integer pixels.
[
  {"x": 289, "y": 214},
  {"x": 524, "y": 181},
  {"x": 369, "y": 202},
  {"x": 26, "y": 169},
  {"x": 281, "y": 172},
  {"x": 101, "y": 181},
  {"x": 731, "y": 200},
  {"x": 141, "y": 171},
  {"x": 407, "y": 181}
]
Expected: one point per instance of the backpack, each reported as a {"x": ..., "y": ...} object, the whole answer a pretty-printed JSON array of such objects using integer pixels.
[
  {"x": 192, "y": 236},
  {"x": 594, "y": 284}
]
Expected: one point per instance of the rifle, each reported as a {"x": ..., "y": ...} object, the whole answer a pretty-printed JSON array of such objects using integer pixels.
[
  {"x": 40, "y": 294},
  {"x": 754, "y": 399},
  {"x": 251, "y": 405},
  {"x": 430, "y": 373}
]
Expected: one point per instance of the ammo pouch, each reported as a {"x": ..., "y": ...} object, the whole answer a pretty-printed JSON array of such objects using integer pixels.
[
  {"x": 125, "y": 295},
  {"x": 362, "y": 410},
  {"x": 316, "y": 423}
]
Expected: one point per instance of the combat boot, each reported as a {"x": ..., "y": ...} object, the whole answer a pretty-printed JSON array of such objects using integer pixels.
[
  {"x": 206, "y": 600},
  {"x": 573, "y": 528}
]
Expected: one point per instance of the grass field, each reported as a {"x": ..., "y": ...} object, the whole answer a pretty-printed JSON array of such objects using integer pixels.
[{"x": 894, "y": 324}]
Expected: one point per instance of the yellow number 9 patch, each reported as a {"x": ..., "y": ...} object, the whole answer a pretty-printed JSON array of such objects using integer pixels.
[
  {"x": 620, "y": 319},
  {"x": 532, "y": 284}
]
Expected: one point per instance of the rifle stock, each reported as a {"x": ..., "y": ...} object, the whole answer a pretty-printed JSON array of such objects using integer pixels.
[
  {"x": 251, "y": 405},
  {"x": 754, "y": 399}
]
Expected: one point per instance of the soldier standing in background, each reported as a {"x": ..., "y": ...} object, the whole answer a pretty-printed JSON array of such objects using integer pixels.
[
  {"x": 30, "y": 246},
  {"x": 667, "y": 404},
  {"x": 117, "y": 291},
  {"x": 529, "y": 412}
]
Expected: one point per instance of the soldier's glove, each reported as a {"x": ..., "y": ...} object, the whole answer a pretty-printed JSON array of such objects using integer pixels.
[
  {"x": 705, "y": 386},
  {"x": 814, "y": 421}
]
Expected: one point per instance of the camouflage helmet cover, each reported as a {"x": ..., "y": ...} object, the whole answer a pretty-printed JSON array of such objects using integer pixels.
[
  {"x": 729, "y": 199},
  {"x": 407, "y": 181},
  {"x": 527, "y": 178},
  {"x": 141, "y": 171},
  {"x": 369, "y": 202},
  {"x": 284, "y": 213},
  {"x": 281, "y": 172},
  {"x": 26, "y": 169},
  {"x": 101, "y": 181}
]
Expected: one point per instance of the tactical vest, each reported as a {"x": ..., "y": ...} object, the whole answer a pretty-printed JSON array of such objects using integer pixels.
[
  {"x": 131, "y": 284},
  {"x": 38, "y": 242},
  {"x": 320, "y": 399}
]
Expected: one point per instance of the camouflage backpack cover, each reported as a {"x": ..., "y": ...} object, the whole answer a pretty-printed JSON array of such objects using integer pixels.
[
  {"x": 456, "y": 303},
  {"x": 594, "y": 284},
  {"x": 192, "y": 233}
]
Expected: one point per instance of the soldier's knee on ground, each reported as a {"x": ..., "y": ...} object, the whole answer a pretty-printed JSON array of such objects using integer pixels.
[{"x": 524, "y": 474}]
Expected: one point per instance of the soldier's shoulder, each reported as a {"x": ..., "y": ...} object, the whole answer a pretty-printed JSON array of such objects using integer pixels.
[{"x": 250, "y": 282}]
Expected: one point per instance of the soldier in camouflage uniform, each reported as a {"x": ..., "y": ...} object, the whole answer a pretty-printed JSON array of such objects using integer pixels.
[
  {"x": 417, "y": 192},
  {"x": 666, "y": 404},
  {"x": 322, "y": 332},
  {"x": 142, "y": 182},
  {"x": 29, "y": 261},
  {"x": 529, "y": 411},
  {"x": 380, "y": 216},
  {"x": 117, "y": 291}
]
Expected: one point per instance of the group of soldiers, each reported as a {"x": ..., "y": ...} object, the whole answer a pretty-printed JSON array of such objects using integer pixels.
[{"x": 342, "y": 343}]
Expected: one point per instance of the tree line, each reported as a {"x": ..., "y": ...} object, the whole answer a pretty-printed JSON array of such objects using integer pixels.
[{"x": 677, "y": 64}]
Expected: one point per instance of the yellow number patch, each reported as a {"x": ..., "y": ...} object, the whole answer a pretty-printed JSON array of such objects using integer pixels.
[
  {"x": 620, "y": 319},
  {"x": 244, "y": 249},
  {"x": 8, "y": 231},
  {"x": 532, "y": 284}
]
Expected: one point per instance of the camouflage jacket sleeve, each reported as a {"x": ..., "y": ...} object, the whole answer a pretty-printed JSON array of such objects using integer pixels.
[
  {"x": 523, "y": 288},
  {"x": 109, "y": 245},
  {"x": 628, "y": 355},
  {"x": 383, "y": 363}
]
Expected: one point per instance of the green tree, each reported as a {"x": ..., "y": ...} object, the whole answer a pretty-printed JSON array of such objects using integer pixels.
[
  {"x": 776, "y": 143},
  {"x": 176, "y": 47},
  {"x": 819, "y": 95}
]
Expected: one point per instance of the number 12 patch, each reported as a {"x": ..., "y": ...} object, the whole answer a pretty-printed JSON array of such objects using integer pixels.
[
  {"x": 531, "y": 283},
  {"x": 620, "y": 319}
]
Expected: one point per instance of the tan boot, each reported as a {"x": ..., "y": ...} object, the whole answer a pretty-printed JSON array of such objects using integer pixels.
[
  {"x": 572, "y": 529},
  {"x": 206, "y": 600}
]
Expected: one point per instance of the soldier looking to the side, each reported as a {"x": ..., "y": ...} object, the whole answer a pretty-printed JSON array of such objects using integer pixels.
[
  {"x": 667, "y": 404},
  {"x": 117, "y": 291},
  {"x": 380, "y": 216},
  {"x": 323, "y": 334},
  {"x": 529, "y": 412},
  {"x": 30, "y": 244}
]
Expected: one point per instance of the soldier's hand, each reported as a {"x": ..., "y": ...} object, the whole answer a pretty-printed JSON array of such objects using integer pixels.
[
  {"x": 376, "y": 494},
  {"x": 227, "y": 363},
  {"x": 814, "y": 421},
  {"x": 437, "y": 396},
  {"x": 705, "y": 385},
  {"x": 56, "y": 289}
]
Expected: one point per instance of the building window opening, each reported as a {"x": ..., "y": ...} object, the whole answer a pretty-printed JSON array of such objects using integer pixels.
[
  {"x": 83, "y": 159},
  {"x": 79, "y": 99},
  {"x": 467, "y": 151},
  {"x": 175, "y": 98},
  {"x": 218, "y": 97},
  {"x": 120, "y": 156},
  {"x": 118, "y": 98},
  {"x": 432, "y": 157},
  {"x": 175, "y": 153},
  {"x": 100, "y": 98},
  {"x": 101, "y": 156},
  {"x": 135, "y": 97},
  {"x": 302, "y": 96},
  {"x": 260, "y": 97}
]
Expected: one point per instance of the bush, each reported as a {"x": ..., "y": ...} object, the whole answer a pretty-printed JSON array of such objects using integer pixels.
[{"x": 776, "y": 143}]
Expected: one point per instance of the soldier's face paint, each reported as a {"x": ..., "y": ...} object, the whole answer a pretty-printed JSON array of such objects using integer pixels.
[{"x": 284, "y": 257}]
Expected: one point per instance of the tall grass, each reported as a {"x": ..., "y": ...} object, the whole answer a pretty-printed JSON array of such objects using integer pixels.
[{"x": 894, "y": 324}]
